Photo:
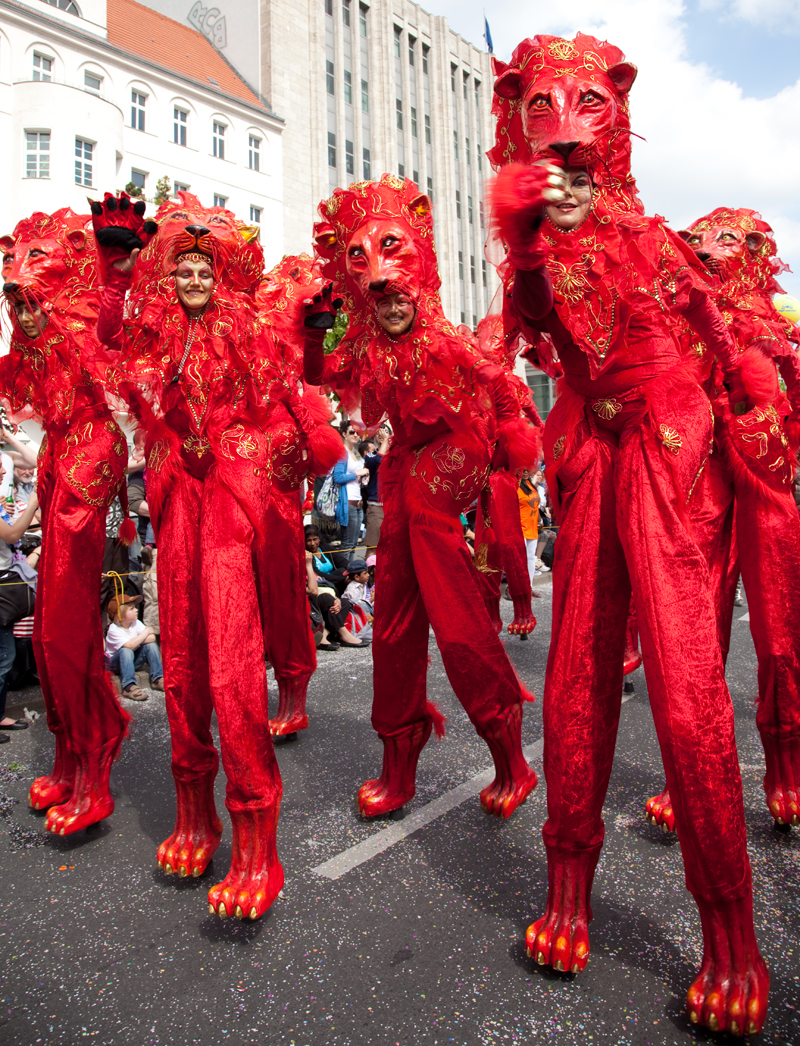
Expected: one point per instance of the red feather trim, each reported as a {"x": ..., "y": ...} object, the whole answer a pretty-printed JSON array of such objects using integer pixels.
[
  {"x": 522, "y": 443},
  {"x": 437, "y": 718},
  {"x": 127, "y": 531},
  {"x": 324, "y": 449},
  {"x": 759, "y": 377}
]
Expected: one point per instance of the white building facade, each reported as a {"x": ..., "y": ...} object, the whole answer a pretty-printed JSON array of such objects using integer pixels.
[{"x": 96, "y": 94}]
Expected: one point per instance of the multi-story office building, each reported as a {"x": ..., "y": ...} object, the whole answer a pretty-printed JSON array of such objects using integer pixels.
[
  {"x": 384, "y": 86},
  {"x": 96, "y": 94}
]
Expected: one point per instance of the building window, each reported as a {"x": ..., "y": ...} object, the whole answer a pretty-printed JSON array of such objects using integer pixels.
[
  {"x": 480, "y": 211},
  {"x": 458, "y": 204},
  {"x": 362, "y": 19},
  {"x": 179, "y": 187},
  {"x": 349, "y": 161},
  {"x": 401, "y": 170},
  {"x": 411, "y": 45},
  {"x": 399, "y": 113},
  {"x": 329, "y": 78},
  {"x": 64, "y": 5},
  {"x": 83, "y": 162},
  {"x": 220, "y": 201},
  {"x": 480, "y": 157},
  {"x": 542, "y": 389},
  {"x": 255, "y": 214},
  {"x": 180, "y": 119},
  {"x": 413, "y": 122},
  {"x": 398, "y": 32},
  {"x": 469, "y": 209},
  {"x": 331, "y": 149},
  {"x": 466, "y": 86},
  {"x": 219, "y": 140},
  {"x": 455, "y": 143},
  {"x": 477, "y": 93},
  {"x": 427, "y": 129},
  {"x": 469, "y": 154},
  {"x": 137, "y": 110},
  {"x": 425, "y": 53},
  {"x": 346, "y": 12},
  {"x": 472, "y": 267},
  {"x": 328, "y": 7},
  {"x": 364, "y": 96},
  {"x": 348, "y": 87},
  {"x": 483, "y": 271},
  {"x": 461, "y": 273},
  {"x": 42, "y": 68},
  {"x": 367, "y": 165},
  {"x": 38, "y": 154},
  {"x": 92, "y": 82},
  {"x": 138, "y": 179},
  {"x": 453, "y": 71},
  {"x": 463, "y": 317},
  {"x": 415, "y": 177},
  {"x": 254, "y": 153},
  {"x": 430, "y": 189}
]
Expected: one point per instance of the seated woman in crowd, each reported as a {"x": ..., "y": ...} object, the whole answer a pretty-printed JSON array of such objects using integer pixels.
[
  {"x": 330, "y": 565},
  {"x": 333, "y": 609}
]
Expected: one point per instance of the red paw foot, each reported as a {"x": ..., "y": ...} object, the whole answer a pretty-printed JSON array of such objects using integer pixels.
[
  {"x": 256, "y": 875},
  {"x": 561, "y": 938},
  {"x": 291, "y": 715},
  {"x": 524, "y": 622},
  {"x": 396, "y": 785},
  {"x": 782, "y": 779},
  {"x": 514, "y": 780},
  {"x": 197, "y": 832},
  {"x": 660, "y": 813},
  {"x": 79, "y": 812},
  {"x": 633, "y": 659},
  {"x": 57, "y": 787},
  {"x": 731, "y": 990},
  {"x": 279, "y": 728}
]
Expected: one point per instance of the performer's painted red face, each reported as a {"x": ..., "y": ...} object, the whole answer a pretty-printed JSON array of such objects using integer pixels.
[
  {"x": 395, "y": 314},
  {"x": 194, "y": 283},
  {"x": 569, "y": 213},
  {"x": 383, "y": 258},
  {"x": 29, "y": 316},
  {"x": 722, "y": 248}
]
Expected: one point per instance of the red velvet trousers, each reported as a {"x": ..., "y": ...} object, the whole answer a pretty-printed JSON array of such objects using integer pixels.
[
  {"x": 727, "y": 511},
  {"x": 67, "y": 633},
  {"x": 213, "y": 643},
  {"x": 507, "y": 551},
  {"x": 425, "y": 578},
  {"x": 623, "y": 530}
]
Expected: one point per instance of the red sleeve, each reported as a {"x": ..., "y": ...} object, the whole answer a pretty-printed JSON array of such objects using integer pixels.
[
  {"x": 112, "y": 303},
  {"x": 314, "y": 356},
  {"x": 705, "y": 319},
  {"x": 789, "y": 366},
  {"x": 532, "y": 293}
]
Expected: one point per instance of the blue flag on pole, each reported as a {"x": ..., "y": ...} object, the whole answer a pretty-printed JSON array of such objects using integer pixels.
[{"x": 488, "y": 36}]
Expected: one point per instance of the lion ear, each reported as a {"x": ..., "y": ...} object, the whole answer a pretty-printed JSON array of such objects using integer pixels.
[
  {"x": 755, "y": 240},
  {"x": 420, "y": 205},
  {"x": 508, "y": 84},
  {"x": 685, "y": 234},
  {"x": 324, "y": 236},
  {"x": 7, "y": 242},
  {"x": 622, "y": 76},
  {"x": 250, "y": 232},
  {"x": 77, "y": 237}
]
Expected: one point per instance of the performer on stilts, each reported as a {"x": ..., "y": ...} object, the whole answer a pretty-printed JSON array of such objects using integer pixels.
[
  {"x": 51, "y": 374},
  {"x": 743, "y": 509},
  {"x": 192, "y": 352},
  {"x": 451, "y": 413},
  {"x": 625, "y": 443}
]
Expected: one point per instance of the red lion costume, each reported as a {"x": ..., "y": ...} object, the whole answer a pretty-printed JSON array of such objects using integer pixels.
[
  {"x": 50, "y": 262},
  {"x": 745, "y": 495},
  {"x": 209, "y": 396},
  {"x": 448, "y": 407},
  {"x": 626, "y": 441}
]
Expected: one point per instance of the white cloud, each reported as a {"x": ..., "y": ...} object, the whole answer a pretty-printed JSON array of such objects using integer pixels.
[
  {"x": 707, "y": 144},
  {"x": 771, "y": 13}
]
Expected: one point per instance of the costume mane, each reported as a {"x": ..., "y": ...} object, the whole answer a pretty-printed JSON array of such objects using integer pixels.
[{"x": 761, "y": 265}]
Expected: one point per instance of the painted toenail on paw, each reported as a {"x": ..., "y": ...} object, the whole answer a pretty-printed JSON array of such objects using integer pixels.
[
  {"x": 529, "y": 952},
  {"x": 211, "y": 910},
  {"x": 734, "y": 1027},
  {"x": 222, "y": 911},
  {"x": 253, "y": 913},
  {"x": 182, "y": 872},
  {"x": 693, "y": 1016},
  {"x": 560, "y": 966},
  {"x": 713, "y": 1023},
  {"x": 160, "y": 866},
  {"x": 237, "y": 911},
  {"x": 196, "y": 872},
  {"x": 168, "y": 869},
  {"x": 576, "y": 968},
  {"x": 541, "y": 959},
  {"x": 751, "y": 1028}
]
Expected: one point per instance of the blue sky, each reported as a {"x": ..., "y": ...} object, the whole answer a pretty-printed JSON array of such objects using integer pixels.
[{"x": 717, "y": 97}]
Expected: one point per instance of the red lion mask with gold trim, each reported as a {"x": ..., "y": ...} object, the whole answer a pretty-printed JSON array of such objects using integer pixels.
[{"x": 737, "y": 244}]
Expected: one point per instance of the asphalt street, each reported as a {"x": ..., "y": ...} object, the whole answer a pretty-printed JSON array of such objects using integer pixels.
[{"x": 419, "y": 944}]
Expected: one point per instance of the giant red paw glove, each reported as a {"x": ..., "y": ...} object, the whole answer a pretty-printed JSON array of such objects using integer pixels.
[
  {"x": 320, "y": 311},
  {"x": 120, "y": 227},
  {"x": 519, "y": 196}
]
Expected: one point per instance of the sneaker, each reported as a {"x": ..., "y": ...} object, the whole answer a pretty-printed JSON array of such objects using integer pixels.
[
  {"x": 541, "y": 567},
  {"x": 134, "y": 693},
  {"x": 157, "y": 684},
  {"x": 738, "y": 601}
]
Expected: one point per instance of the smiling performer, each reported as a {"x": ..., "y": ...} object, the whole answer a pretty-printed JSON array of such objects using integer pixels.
[
  {"x": 744, "y": 497},
  {"x": 51, "y": 287},
  {"x": 192, "y": 353},
  {"x": 592, "y": 281},
  {"x": 451, "y": 413}
]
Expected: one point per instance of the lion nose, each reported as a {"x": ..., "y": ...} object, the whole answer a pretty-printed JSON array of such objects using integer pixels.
[
  {"x": 379, "y": 286},
  {"x": 10, "y": 288},
  {"x": 197, "y": 231},
  {"x": 703, "y": 255},
  {"x": 564, "y": 148}
]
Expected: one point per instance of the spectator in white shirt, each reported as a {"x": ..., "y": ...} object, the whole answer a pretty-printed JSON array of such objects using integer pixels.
[{"x": 129, "y": 644}]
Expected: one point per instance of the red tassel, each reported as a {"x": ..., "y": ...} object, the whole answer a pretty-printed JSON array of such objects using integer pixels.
[
  {"x": 437, "y": 719},
  {"x": 759, "y": 377},
  {"x": 127, "y": 531},
  {"x": 324, "y": 449}
]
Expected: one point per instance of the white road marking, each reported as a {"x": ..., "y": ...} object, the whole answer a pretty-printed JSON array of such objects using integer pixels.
[
  {"x": 351, "y": 858},
  {"x": 745, "y": 617}
]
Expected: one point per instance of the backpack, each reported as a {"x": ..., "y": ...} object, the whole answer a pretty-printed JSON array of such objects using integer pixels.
[
  {"x": 358, "y": 624},
  {"x": 328, "y": 498}
]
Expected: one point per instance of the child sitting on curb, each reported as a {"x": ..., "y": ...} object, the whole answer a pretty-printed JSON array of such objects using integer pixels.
[{"x": 129, "y": 643}]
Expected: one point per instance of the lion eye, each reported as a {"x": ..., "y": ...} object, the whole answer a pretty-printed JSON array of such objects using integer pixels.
[
  {"x": 34, "y": 252},
  {"x": 592, "y": 98},
  {"x": 728, "y": 236},
  {"x": 8, "y": 259},
  {"x": 693, "y": 241},
  {"x": 540, "y": 101},
  {"x": 356, "y": 252},
  {"x": 389, "y": 241}
]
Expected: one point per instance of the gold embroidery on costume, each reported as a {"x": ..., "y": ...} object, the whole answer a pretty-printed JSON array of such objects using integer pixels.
[
  {"x": 198, "y": 445},
  {"x": 606, "y": 409},
  {"x": 159, "y": 453},
  {"x": 558, "y": 447},
  {"x": 670, "y": 438}
]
